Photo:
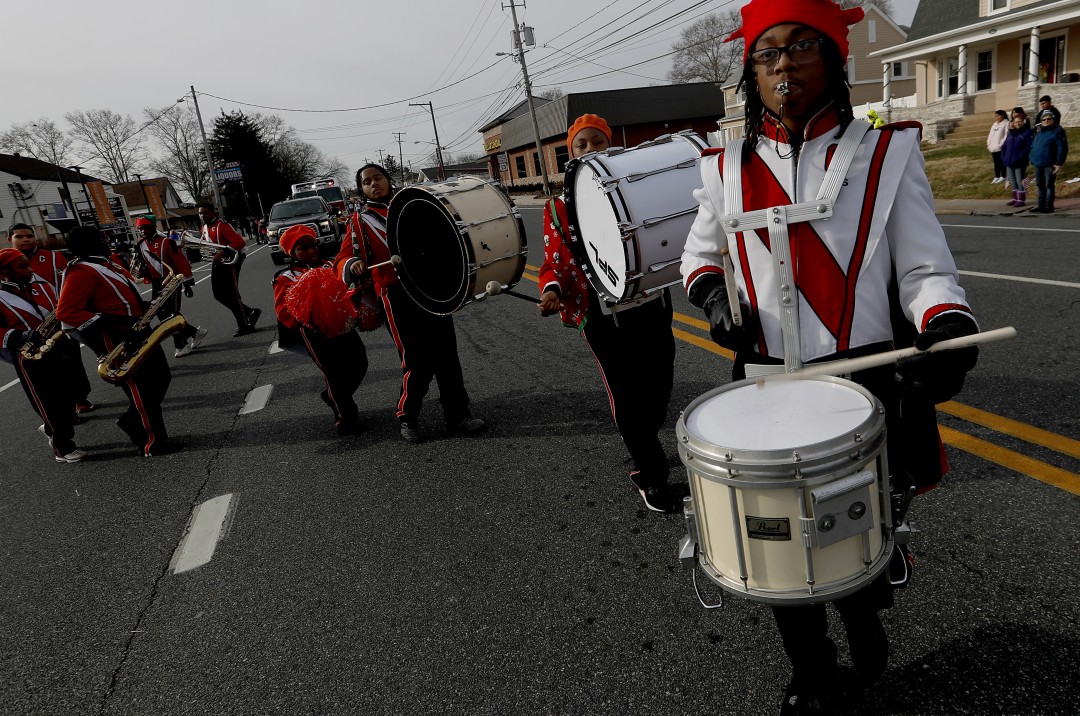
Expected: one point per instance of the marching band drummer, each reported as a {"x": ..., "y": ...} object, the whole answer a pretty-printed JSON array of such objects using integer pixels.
[
  {"x": 341, "y": 359},
  {"x": 876, "y": 274},
  {"x": 99, "y": 302},
  {"x": 225, "y": 278},
  {"x": 426, "y": 343},
  {"x": 51, "y": 382},
  {"x": 156, "y": 252},
  {"x": 635, "y": 348},
  {"x": 49, "y": 265}
]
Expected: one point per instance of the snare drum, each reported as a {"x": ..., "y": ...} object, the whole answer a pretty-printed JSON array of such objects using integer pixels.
[
  {"x": 453, "y": 238},
  {"x": 631, "y": 210},
  {"x": 789, "y": 488}
]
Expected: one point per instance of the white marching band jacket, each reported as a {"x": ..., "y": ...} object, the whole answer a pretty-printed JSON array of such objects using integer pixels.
[{"x": 844, "y": 235}]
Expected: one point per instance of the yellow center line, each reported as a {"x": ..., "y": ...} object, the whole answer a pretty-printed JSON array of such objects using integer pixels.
[
  {"x": 1022, "y": 464},
  {"x": 1031, "y": 434}
]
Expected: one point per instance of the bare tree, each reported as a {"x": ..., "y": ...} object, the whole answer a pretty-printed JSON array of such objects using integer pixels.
[
  {"x": 182, "y": 158},
  {"x": 884, "y": 5},
  {"x": 552, "y": 94},
  {"x": 40, "y": 139},
  {"x": 333, "y": 167},
  {"x": 109, "y": 142},
  {"x": 701, "y": 55}
]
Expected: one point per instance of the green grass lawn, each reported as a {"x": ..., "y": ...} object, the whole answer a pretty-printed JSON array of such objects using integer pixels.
[{"x": 964, "y": 171}]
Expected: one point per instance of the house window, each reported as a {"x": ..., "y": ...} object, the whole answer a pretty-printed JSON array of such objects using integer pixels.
[
  {"x": 562, "y": 156},
  {"x": 999, "y": 5},
  {"x": 984, "y": 74},
  {"x": 519, "y": 162},
  {"x": 1051, "y": 61},
  {"x": 900, "y": 71},
  {"x": 740, "y": 95},
  {"x": 871, "y": 29},
  {"x": 948, "y": 77},
  {"x": 536, "y": 164}
]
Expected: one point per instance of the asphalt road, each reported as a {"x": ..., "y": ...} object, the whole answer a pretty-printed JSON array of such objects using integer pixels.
[{"x": 516, "y": 572}]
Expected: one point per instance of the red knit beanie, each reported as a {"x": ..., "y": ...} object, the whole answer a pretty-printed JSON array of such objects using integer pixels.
[
  {"x": 587, "y": 120},
  {"x": 8, "y": 257},
  {"x": 143, "y": 221},
  {"x": 293, "y": 234},
  {"x": 825, "y": 16}
]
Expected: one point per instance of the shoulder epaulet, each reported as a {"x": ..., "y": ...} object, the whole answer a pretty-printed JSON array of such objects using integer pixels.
[
  {"x": 713, "y": 152},
  {"x": 911, "y": 124}
]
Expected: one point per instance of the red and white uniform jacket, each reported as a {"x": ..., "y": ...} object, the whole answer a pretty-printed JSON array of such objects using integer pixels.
[
  {"x": 96, "y": 286},
  {"x": 883, "y": 225},
  {"x": 560, "y": 270},
  {"x": 366, "y": 240},
  {"x": 48, "y": 265},
  {"x": 23, "y": 309},
  {"x": 159, "y": 252},
  {"x": 221, "y": 233}
]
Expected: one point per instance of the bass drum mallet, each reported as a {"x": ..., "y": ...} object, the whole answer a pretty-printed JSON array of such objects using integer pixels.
[{"x": 494, "y": 288}]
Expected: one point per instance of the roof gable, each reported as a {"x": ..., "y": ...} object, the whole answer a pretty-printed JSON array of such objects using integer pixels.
[{"x": 30, "y": 168}]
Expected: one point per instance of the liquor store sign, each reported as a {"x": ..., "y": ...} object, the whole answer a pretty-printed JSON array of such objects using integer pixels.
[{"x": 230, "y": 171}]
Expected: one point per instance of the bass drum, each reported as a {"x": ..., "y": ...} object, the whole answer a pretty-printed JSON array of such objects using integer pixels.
[
  {"x": 454, "y": 237},
  {"x": 630, "y": 211},
  {"x": 789, "y": 488}
]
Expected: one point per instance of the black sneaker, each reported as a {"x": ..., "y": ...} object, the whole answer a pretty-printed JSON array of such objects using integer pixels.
[
  {"x": 800, "y": 701},
  {"x": 661, "y": 498},
  {"x": 253, "y": 317},
  {"x": 409, "y": 432},
  {"x": 467, "y": 426}
]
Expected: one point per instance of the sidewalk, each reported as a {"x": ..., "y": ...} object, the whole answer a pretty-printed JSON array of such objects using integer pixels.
[{"x": 961, "y": 207}]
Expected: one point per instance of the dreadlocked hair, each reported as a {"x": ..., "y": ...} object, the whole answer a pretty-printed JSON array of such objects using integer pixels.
[{"x": 837, "y": 89}]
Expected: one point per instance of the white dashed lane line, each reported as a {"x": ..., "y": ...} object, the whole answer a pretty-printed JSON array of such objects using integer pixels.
[
  {"x": 16, "y": 382},
  {"x": 208, "y": 522},
  {"x": 256, "y": 399}
]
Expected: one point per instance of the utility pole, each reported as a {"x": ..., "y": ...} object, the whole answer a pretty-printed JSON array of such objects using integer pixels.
[
  {"x": 69, "y": 200},
  {"x": 400, "y": 164},
  {"x": 219, "y": 207},
  {"x": 438, "y": 146},
  {"x": 519, "y": 46},
  {"x": 86, "y": 195}
]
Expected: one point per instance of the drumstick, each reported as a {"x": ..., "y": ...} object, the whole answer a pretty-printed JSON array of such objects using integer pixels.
[
  {"x": 732, "y": 289},
  {"x": 852, "y": 365},
  {"x": 494, "y": 288},
  {"x": 395, "y": 260}
]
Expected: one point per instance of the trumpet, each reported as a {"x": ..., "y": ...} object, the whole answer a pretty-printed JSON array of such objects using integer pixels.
[{"x": 208, "y": 249}]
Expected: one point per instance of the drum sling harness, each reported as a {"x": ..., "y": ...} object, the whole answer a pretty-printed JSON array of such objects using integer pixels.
[{"x": 777, "y": 219}]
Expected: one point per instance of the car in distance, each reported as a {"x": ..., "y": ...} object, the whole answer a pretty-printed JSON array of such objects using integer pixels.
[{"x": 312, "y": 211}]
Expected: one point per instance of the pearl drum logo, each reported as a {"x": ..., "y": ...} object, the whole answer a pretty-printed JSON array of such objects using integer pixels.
[{"x": 768, "y": 528}]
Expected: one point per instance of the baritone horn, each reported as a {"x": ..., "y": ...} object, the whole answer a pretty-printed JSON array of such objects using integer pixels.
[{"x": 208, "y": 249}]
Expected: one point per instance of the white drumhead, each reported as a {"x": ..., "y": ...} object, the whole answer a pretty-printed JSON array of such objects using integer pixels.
[
  {"x": 598, "y": 226},
  {"x": 779, "y": 414}
]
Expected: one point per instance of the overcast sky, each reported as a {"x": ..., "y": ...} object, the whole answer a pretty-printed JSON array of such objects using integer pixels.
[{"x": 373, "y": 59}]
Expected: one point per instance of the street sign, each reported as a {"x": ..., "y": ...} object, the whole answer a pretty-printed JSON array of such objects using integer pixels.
[{"x": 228, "y": 173}]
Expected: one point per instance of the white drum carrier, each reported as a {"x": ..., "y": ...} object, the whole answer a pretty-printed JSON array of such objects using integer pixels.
[
  {"x": 789, "y": 488},
  {"x": 630, "y": 211}
]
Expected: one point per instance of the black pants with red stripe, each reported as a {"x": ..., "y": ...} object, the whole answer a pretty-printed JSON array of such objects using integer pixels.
[
  {"x": 343, "y": 362},
  {"x": 53, "y": 385},
  {"x": 635, "y": 350},
  {"x": 427, "y": 346},
  {"x": 225, "y": 282},
  {"x": 145, "y": 389},
  {"x": 171, "y": 308}
]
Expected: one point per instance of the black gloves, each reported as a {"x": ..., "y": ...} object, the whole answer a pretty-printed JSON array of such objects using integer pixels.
[
  {"x": 17, "y": 340},
  {"x": 710, "y": 294},
  {"x": 940, "y": 376},
  {"x": 188, "y": 290}
]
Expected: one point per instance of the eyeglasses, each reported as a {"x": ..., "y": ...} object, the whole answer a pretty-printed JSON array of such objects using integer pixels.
[
  {"x": 801, "y": 51},
  {"x": 1048, "y": 119}
]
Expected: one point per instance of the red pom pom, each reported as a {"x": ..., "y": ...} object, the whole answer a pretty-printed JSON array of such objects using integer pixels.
[
  {"x": 369, "y": 312},
  {"x": 320, "y": 300}
]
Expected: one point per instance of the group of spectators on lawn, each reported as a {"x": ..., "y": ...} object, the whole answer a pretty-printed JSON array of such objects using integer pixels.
[{"x": 1014, "y": 143}]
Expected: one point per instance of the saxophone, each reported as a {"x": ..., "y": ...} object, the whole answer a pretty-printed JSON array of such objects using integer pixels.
[
  {"x": 123, "y": 360},
  {"x": 42, "y": 339},
  {"x": 136, "y": 265}
]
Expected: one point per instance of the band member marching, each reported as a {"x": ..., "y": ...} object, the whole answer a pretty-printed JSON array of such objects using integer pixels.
[
  {"x": 426, "y": 343},
  {"x": 225, "y": 278},
  {"x": 49, "y": 266},
  {"x": 100, "y": 303},
  {"x": 342, "y": 359},
  {"x": 875, "y": 274},
  {"x": 154, "y": 252},
  {"x": 46, "y": 361},
  {"x": 634, "y": 348}
]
